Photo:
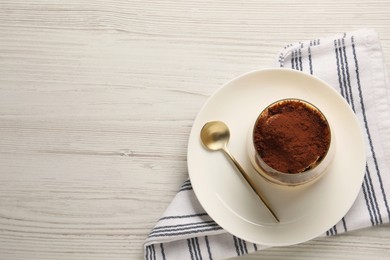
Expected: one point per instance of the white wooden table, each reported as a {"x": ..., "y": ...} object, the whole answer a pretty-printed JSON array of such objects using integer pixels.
[{"x": 97, "y": 99}]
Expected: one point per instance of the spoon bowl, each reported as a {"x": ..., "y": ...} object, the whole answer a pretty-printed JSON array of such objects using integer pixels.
[{"x": 215, "y": 135}]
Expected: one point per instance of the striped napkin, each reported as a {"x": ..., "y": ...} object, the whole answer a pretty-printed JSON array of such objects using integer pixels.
[{"x": 353, "y": 64}]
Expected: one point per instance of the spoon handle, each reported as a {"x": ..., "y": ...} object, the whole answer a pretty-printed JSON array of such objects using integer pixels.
[{"x": 251, "y": 183}]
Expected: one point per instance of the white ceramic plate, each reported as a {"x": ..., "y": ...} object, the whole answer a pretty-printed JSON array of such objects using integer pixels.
[{"x": 305, "y": 213}]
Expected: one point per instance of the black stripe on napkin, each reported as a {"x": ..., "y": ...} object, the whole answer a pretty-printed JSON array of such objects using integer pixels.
[
  {"x": 255, "y": 247},
  {"x": 296, "y": 60},
  {"x": 190, "y": 249},
  {"x": 244, "y": 246},
  {"x": 150, "y": 253},
  {"x": 184, "y": 216},
  {"x": 194, "y": 249},
  {"x": 240, "y": 245},
  {"x": 376, "y": 209},
  {"x": 344, "y": 224},
  {"x": 147, "y": 253},
  {"x": 280, "y": 60},
  {"x": 167, "y": 227},
  {"x": 367, "y": 201},
  {"x": 199, "y": 252},
  {"x": 186, "y": 186},
  {"x": 343, "y": 73},
  {"x": 186, "y": 183},
  {"x": 162, "y": 251},
  {"x": 349, "y": 87},
  {"x": 338, "y": 66},
  {"x": 187, "y": 232},
  {"x": 309, "y": 57},
  {"x": 300, "y": 58},
  {"x": 208, "y": 247},
  {"x": 332, "y": 231},
  {"x": 293, "y": 60},
  {"x": 183, "y": 227},
  {"x": 236, "y": 245}
]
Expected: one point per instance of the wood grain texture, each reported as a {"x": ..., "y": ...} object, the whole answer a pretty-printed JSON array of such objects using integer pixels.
[{"x": 97, "y": 99}]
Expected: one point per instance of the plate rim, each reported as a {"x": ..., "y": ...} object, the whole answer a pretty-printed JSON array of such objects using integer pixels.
[{"x": 279, "y": 70}]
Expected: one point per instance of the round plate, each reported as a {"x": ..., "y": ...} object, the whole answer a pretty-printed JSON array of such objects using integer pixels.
[{"x": 305, "y": 212}]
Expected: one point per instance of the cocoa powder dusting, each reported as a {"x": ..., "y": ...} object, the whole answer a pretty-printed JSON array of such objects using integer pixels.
[{"x": 291, "y": 137}]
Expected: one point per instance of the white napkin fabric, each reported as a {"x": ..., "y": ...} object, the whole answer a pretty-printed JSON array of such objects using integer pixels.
[{"x": 353, "y": 64}]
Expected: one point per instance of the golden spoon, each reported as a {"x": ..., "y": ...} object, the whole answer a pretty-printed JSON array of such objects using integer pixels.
[{"x": 215, "y": 136}]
